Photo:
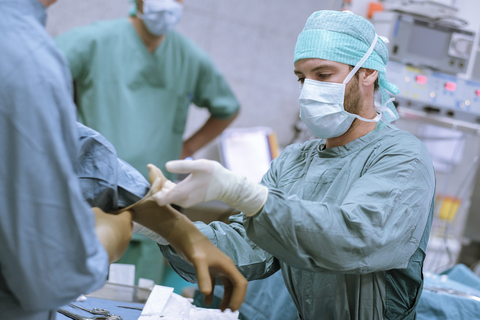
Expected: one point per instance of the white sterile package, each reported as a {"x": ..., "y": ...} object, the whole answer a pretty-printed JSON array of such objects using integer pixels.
[{"x": 164, "y": 304}]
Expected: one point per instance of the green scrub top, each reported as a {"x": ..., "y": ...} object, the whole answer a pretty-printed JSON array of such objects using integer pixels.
[
  {"x": 139, "y": 100},
  {"x": 348, "y": 226}
]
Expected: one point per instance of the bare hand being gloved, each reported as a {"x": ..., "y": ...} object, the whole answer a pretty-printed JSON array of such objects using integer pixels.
[
  {"x": 190, "y": 243},
  {"x": 209, "y": 180}
]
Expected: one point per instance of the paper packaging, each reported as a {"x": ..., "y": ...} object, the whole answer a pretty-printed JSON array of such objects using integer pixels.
[{"x": 164, "y": 304}]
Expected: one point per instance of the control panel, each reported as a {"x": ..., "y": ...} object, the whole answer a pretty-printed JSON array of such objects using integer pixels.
[{"x": 435, "y": 93}]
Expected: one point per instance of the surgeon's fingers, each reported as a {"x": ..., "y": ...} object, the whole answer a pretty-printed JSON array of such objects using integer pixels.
[
  {"x": 187, "y": 166},
  {"x": 238, "y": 289},
  {"x": 175, "y": 196},
  {"x": 209, "y": 297},
  {"x": 161, "y": 198},
  {"x": 181, "y": 166},
  {"x": 227, "y": 293},
  {"x": 203, "y": 275}
]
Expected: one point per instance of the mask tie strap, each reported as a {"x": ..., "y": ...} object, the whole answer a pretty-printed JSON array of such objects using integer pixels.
[
  {"x": 362, "y": 61},
  {"x": 376, "y": 119},
  {"x": 384, "y": 108}
]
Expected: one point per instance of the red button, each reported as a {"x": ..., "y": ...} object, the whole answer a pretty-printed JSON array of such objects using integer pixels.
[
  {"x": 421, "y": 79},
  {"x": 450, "y": 86}
]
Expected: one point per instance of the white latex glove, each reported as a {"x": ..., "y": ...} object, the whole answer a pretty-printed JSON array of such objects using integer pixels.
[
  {"x": 138, "y": 228},
  {"x": 209, "y": 180}
]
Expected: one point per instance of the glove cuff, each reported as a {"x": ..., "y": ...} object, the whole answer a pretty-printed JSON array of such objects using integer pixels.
[
  {"x": 250, "y": 197},
  {"x": 137, "y": 228}
]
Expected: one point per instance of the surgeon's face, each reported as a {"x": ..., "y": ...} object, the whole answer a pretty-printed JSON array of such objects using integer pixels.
[{"x": 330, "y": 71}]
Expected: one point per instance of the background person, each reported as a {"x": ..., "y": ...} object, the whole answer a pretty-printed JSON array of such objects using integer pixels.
[
  {"x": 134, "y": 81},
  {"x": 345, "y": 217}
]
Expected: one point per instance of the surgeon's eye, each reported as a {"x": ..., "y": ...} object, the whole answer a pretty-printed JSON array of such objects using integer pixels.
[
  {"x": 301, "y": 80},
  {"x": 324, "y": 76}
]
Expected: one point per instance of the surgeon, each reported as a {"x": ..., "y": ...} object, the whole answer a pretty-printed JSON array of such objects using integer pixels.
[
  {"x": 53, "y": 245},
  {"x": 346, "y": 217}
]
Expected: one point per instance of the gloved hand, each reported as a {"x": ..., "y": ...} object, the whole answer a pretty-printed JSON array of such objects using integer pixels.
[
  {"x": 157, "y": 180},
  {"x": 113, "y": 231},
  {"x": 209, "y": 262},
  {"x": 138, "y": 228},
  {"x": 209, "y": 180},
  {"x": 176, "y": 229}
]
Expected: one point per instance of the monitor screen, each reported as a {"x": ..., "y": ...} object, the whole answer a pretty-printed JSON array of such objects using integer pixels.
[{"x": 428, "y": 42}]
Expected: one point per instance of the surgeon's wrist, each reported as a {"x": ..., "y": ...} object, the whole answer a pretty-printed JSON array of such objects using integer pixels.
[
  {"x": 248, "y": 197},
  {"x": 255, "y": 202}
]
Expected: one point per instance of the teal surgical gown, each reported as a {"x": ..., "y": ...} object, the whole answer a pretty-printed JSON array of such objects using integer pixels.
[
  {"x": 49, "y": 252},
  {"x": 348, "y": 227},
  {"x": 138, "y": 100}
]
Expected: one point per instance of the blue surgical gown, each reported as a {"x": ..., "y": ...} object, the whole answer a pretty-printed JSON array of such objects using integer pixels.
[
  {"x": 106, "y": 181},
  {"x": 49, "y": 252},
  {"x": 347, "y": 226}
]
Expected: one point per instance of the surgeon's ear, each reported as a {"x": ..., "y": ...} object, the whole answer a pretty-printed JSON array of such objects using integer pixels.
[{"x": 367, "y": 77}]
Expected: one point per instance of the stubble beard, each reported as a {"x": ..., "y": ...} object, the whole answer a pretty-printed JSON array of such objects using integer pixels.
[{"x": 352, "y": 97}]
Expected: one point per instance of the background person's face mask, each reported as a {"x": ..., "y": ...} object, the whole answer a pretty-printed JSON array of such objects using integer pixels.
[
  {"x": 321, "y": 105},
  {"x": 161, "y": 16}
]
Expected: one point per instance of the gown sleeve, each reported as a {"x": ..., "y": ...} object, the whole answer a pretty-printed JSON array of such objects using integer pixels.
[
  {"x": 253, "y": 262},
  {"x": 50, "y": 253}
]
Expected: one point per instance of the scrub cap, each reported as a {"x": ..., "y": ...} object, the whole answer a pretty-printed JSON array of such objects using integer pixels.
[
  {"x": 132, "y": 10},
  {"x": 345, "y": 37}
]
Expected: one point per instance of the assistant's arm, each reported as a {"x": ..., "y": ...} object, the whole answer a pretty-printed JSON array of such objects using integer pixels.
[
  {"x": 378, "y": 225},
  {"x": 375, "y": 222}
]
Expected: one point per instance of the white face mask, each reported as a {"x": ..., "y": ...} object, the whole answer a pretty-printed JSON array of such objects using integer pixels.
[
  {"x": 321, "y": 105},
  {"x": 161, "y": 16}
]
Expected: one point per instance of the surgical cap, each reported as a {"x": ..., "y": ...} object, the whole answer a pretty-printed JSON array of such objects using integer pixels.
[
  {"x": 345, "y": 37},
  {"x": 132, "y": 10}
]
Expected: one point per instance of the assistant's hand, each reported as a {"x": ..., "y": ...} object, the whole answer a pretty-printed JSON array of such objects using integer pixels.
[
  {"x": 113, "y": 231},
  {"x": 209, "y": 180}
]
